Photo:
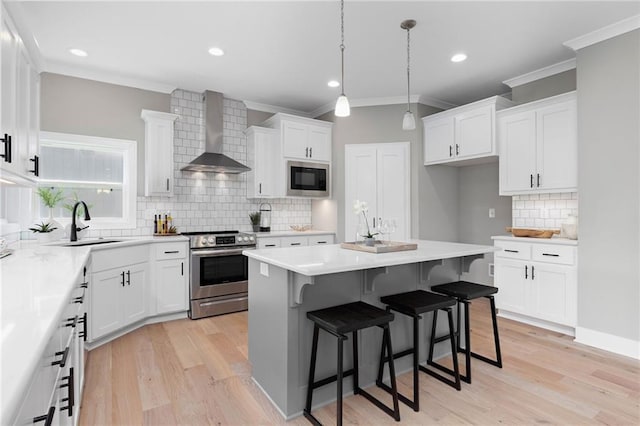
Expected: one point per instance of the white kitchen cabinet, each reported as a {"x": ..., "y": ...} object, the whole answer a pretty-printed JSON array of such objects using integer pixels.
[
  {"x": 538, "y": 146},
  {"x": 463, "y": 135},
  {"x": 378, "y": 174},
  {"x": 19, "y": 115},
  {"x": 294, "y": 240},
  {"x": 316, "y": 240},
  {"x": 537, "y": 282},
  {"x": 118, "y": 289},
  {"x": 266, "y": 177},
  {"x": 158, "y": 152},
  {"x": 302, "y": 138},
  {"x": 170, "y": 277}
]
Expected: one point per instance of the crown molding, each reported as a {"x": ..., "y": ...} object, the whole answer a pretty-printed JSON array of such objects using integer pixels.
[
  {"x": 16, "y": 19},
  {"x": 256, "y": 106},
  {"x": 604, "y": 33},
  {"x": 563, "y": 66},
  {"x": 435, "y": 102},
  {"x": 107, "y": 77}
]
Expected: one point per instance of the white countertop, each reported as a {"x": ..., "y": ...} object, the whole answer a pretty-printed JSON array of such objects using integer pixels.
[
  {"x": 292, "y": 233},
  {"x": 330, "y": 259},
  {"x": 553, "y": 240},
  {"x": 35, "y": 284}
]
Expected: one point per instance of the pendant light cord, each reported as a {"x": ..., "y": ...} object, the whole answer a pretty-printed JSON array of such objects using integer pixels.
[
  {"x": 342, "y": 42},
  {"x": 408, "y": 70}
]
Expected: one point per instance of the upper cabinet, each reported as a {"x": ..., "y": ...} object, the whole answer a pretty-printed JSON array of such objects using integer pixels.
[
  {"x": 303, "y": 138},
  {"x": 262, "y": 158},
  {"x": 462, "y": 135},
  {"x": 539, "y": 146},
  {"x": 158, "y": 152},
  {"x": 20, "y": 105}
]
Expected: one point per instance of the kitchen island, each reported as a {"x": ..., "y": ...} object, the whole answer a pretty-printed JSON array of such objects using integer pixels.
[{"x": 286, "y": 283}]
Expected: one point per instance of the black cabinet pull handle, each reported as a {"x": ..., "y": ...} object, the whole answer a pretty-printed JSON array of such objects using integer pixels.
[
  {"x": 533, "y": 272},
  {"x": 311, "y": 152},
  {"x": 551, "y": 254},
  {"x": 295, "y": 244},
  {"x": 47, "y": 418},
  {"x": 531, "y": 181},
  {"x": 7, "y": 148},
  {"x": 62, "y": 361},
  {"x": 269, "y": 245},
  {"x": 457, "y": 149},
  {"x": 167, "y": 184},
  {"x": 538, "y": 179},
  {"x": 511, "y": 251},
  {"x": 128, "y": 277},
  {"x": 83, "y": 321},
  {"x": 259, "y": 188},
  {"x": 71, "y": 322},
  {"x": 70, "y": 399},
  {"x": 79, "y": 300},
  {"x": 171, "y": 252},
  {"x": 526, "y": 272},
  {"x": 36, "y": 165},
  {"x": 182, "y": 268},
  {"x": 450, "y": 151},
  {"x": 306, "y": 152},
  {"x": 122, "y": 278},
  {"x": 84, "y": 285},
  {"x": 322, "y": 242}
]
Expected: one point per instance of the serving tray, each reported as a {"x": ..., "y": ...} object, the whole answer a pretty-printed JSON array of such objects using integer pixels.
[
  {"x": 532, "y": 233},
  {"x": 380, "y": 246}
]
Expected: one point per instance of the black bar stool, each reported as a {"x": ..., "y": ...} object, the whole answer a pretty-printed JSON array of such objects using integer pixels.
[
  {"x": 338, "y": 321},
  {"x": 464, "y": 292},
  {"x": 413, "y": 304}
]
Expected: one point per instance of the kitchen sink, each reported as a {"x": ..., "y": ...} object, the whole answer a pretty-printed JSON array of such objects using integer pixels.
[{"x": 86, "y": 243}]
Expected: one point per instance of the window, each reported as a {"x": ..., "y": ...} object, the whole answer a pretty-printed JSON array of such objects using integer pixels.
[{"x": 99, "y": 171}]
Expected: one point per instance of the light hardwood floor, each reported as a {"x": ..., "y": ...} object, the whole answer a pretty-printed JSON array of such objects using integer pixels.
[{"x": 196, "y": 373}]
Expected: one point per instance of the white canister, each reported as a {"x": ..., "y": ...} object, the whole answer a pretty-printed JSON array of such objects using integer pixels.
[{"x": 569, "y": 229}]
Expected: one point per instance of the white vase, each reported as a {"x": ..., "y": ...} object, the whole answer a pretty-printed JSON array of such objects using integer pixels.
[
  {"x": 44, "y": 237},
  {"x": 59, "y": 231}
]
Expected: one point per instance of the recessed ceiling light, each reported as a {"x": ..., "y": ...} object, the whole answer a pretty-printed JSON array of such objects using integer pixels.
[
  {"x": 216, "y": 51},
  {"x": 458, "y": 57},
  {"x": 333, "y": 83},
  {"x": 78, "y": 52}
]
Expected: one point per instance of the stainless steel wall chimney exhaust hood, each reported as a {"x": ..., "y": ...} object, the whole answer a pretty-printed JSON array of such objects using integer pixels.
[{"x": 212, "y": 160}]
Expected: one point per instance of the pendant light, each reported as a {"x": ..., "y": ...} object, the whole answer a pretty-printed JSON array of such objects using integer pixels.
[
  {"x": 342, "y": 105},
  {"x": 408, "y": 121}
]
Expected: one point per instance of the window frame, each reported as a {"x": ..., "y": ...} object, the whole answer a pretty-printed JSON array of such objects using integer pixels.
[{"x": 129, "y": 173}]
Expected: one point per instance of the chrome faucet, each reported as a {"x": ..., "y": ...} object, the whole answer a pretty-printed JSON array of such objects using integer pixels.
[{"x": 74, "y": 229}]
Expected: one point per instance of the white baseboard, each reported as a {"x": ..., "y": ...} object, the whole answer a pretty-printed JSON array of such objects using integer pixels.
[
  {"x": 564, "y": 329},
  {"x": 608, "y": 342}
]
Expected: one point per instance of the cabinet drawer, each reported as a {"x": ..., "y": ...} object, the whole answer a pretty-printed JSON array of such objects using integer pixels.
[
  {"x": 171, "y": 251},
  {"x": 320, "y": 239},
  {"x": 513, "y": 250},
  {"x": 563, "y": 255},
  {"x": 293, "y": 241},
  {"x": 116, "y": 258},
  {"x": 268, "y": 243}
]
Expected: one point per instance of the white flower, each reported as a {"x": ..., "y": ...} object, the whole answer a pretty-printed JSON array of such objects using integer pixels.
[{"x": 360, "y": 207}]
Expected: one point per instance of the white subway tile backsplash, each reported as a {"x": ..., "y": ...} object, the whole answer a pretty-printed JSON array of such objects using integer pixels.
[{"x": 543, "y": 210}]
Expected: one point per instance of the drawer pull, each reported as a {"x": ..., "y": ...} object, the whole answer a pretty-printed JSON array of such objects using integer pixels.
[
  {"x": 84, "y": 285},
  {"x": 321, "y": 242},
  {"x": 7, "y": 148},
  {"x": 533, "y": 272},
  {"x": 63, "y": 361},
  {"x": 526, "y": 272},
  {"x": 295, "y": 244},
  {"x": 551, "y": 254},
  {"x": 83, "y": 321},
  {"x": 122, "y": 274},
  {"x": 71, "y": 322},
  {"x": 511, "y": 251},
  {"x": 78, "y": 299},
  {"x": 172, "y": 252},
  {"x": 71, "y": 395},
  {"x": 269, "y": 245},
  {"x": 47, "y": 418},
  {"x": 128, "y": 277}
]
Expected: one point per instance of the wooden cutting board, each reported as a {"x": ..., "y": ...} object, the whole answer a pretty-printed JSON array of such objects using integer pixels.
[
  {"x": 532, "y": 233},
  {"x": 380, "y": 247}
]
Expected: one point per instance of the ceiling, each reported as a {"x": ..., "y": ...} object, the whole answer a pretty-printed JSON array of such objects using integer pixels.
[{"x": 284, "y": 53}]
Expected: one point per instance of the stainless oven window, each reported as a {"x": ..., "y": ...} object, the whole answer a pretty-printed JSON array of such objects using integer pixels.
[
  {"x": 223, "y": 269},
  {"x": 307, "y": 178}
]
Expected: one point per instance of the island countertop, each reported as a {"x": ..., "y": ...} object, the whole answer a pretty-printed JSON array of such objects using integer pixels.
[{"x": 330, "y": 259}]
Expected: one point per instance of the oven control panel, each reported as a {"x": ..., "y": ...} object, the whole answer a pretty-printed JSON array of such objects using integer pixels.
[{"x": 213, "y": 240}]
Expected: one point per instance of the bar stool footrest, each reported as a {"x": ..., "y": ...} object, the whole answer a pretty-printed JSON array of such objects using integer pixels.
[
  {"x": 442, "y": 378},
  {"x": 331, "y": 379},
  {"x": 447, "y": 370},
  {"x": 401, "y": 397},
  {"x": 378, "y": 403}
]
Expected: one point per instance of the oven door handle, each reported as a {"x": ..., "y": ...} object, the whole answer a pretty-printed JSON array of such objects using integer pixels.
[{"x": 213, "y": 253}]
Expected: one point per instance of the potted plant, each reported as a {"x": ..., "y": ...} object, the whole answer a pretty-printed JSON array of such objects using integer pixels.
[
  {"x": 51, "y": 197},
  {"x": 361, "y": 207},
  {"x": 255, "y": 221},
  {"x": 43, "y": 232}
]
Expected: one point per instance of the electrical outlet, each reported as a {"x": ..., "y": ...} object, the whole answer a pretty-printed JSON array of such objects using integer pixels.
[
  {"x": 492, "y": 213},
  {"x": 264, "y": 269},
  {"x": 491, "y": 269}
]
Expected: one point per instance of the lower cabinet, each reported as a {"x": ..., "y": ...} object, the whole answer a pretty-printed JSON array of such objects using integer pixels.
[
  {"x": 294, "y": 241},
  {"x": 170, "y": 277},
  {"x": 537, "y": 280}
]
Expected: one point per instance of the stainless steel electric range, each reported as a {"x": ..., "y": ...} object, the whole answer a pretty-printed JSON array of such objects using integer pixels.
[{"x": 219, "y": 272}]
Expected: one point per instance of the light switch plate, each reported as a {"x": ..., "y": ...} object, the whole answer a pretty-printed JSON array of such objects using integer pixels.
[
  {"x": 492, "y": 213},
  {"x": 264, "y": 269}
]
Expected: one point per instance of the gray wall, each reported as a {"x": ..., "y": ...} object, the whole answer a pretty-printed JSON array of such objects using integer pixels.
[
  {"x": 545, "y": 87},
  {"x": 87, "y": 107},
  {"x": 477, "y": 193},
  {"x": 609, "y": 202},
  {"x": 433, "y": 194}
]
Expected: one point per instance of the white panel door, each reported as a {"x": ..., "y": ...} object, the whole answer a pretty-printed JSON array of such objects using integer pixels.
[
  {"x": 20, "y": 142},
  {"x": 557, "y": 147},
  {"x": 133, "y": 296},
  {"x": 552, "y": 293},
  {"x": 360, "y": 184},
  {"x": 159, "y": 154},
  {"x": 171, "y": 286},
  {"x": 512, "y": 285},
  {"x": 438, "y": 140},
  {"x": 295, "y": 140},
  {"x": 393, "y": 184},
  {"x": 105, "y": 312},
  {"x": 516, "y": 136},
  {"x": 474, "y": 132},
  {"x": 8, "y": 89},
  {"x": 319, "y": 143}
]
